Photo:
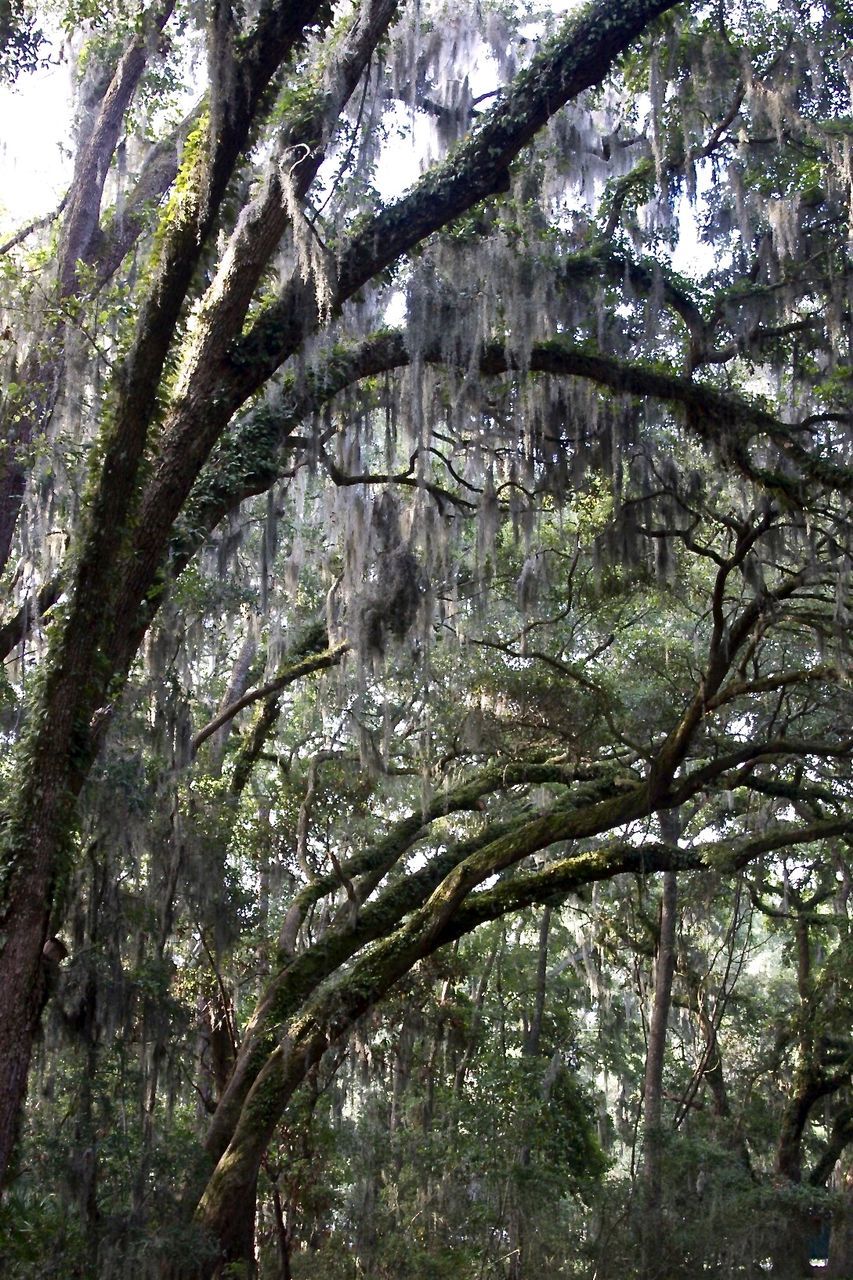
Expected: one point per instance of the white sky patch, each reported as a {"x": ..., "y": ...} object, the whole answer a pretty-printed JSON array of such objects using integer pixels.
[
  {"x": 35, "y": 142},
  {"x": 405, "y": 158},
  {"x": 35, "y": 164},
  {"x": 690, "y": 254}
]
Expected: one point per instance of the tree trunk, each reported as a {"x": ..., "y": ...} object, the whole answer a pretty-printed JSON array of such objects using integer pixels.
[
  {"x": 21, "y": 1001},
  {"x": 518, "y": 1237},
  {"x": 791, "y": 1252},
  {"x": 282, "y": 1233},
  {"x": 653, "y": 1085},
  {"x": 840, "y": 1263}
]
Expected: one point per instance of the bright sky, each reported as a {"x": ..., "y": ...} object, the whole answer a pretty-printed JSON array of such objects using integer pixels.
[
  {"x": 35, "y": 138},
  {"x": 34, "y": 163}
]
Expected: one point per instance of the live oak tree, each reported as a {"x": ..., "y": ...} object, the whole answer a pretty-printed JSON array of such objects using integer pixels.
[{"x": 571, "y": 536}]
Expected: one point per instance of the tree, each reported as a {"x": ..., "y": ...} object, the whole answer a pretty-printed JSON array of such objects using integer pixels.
[
  {"x": 19, "y": 39},
  {"x": 210, "y": 324}
]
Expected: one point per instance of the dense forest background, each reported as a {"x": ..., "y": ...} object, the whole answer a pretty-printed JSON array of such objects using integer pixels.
[{"x": 425, "y": 712}]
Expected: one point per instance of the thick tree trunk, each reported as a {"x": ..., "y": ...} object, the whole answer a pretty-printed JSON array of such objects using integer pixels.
[
  {"x": 230, "y": 1250},
  {"x": 21, "y": 999}
]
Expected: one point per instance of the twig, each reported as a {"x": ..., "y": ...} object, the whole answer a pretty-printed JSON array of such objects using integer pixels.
[{"x": 35, "y": 225}]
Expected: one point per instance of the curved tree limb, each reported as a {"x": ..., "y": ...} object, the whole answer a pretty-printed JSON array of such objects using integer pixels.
[
  {"x": 330, "y": 1013},
  {"x": 292, "y": 672}
]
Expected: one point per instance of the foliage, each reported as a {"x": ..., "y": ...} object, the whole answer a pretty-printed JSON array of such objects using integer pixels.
[{"x": 399, "y": 580}]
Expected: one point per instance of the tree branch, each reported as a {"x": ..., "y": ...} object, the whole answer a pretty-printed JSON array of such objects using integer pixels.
[{"x": 293, "y": 671}]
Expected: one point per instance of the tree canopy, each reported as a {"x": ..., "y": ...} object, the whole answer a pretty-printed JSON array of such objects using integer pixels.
[{"x": 425, "y": 636}]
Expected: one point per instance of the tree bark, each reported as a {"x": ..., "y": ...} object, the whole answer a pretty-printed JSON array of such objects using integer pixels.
[
  {"x": 652, "y": 1228},
  {"x": 59, "y": 747},
  {"x": 791, "y": 1252},
  {"x": 840, "y": 1262}
]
